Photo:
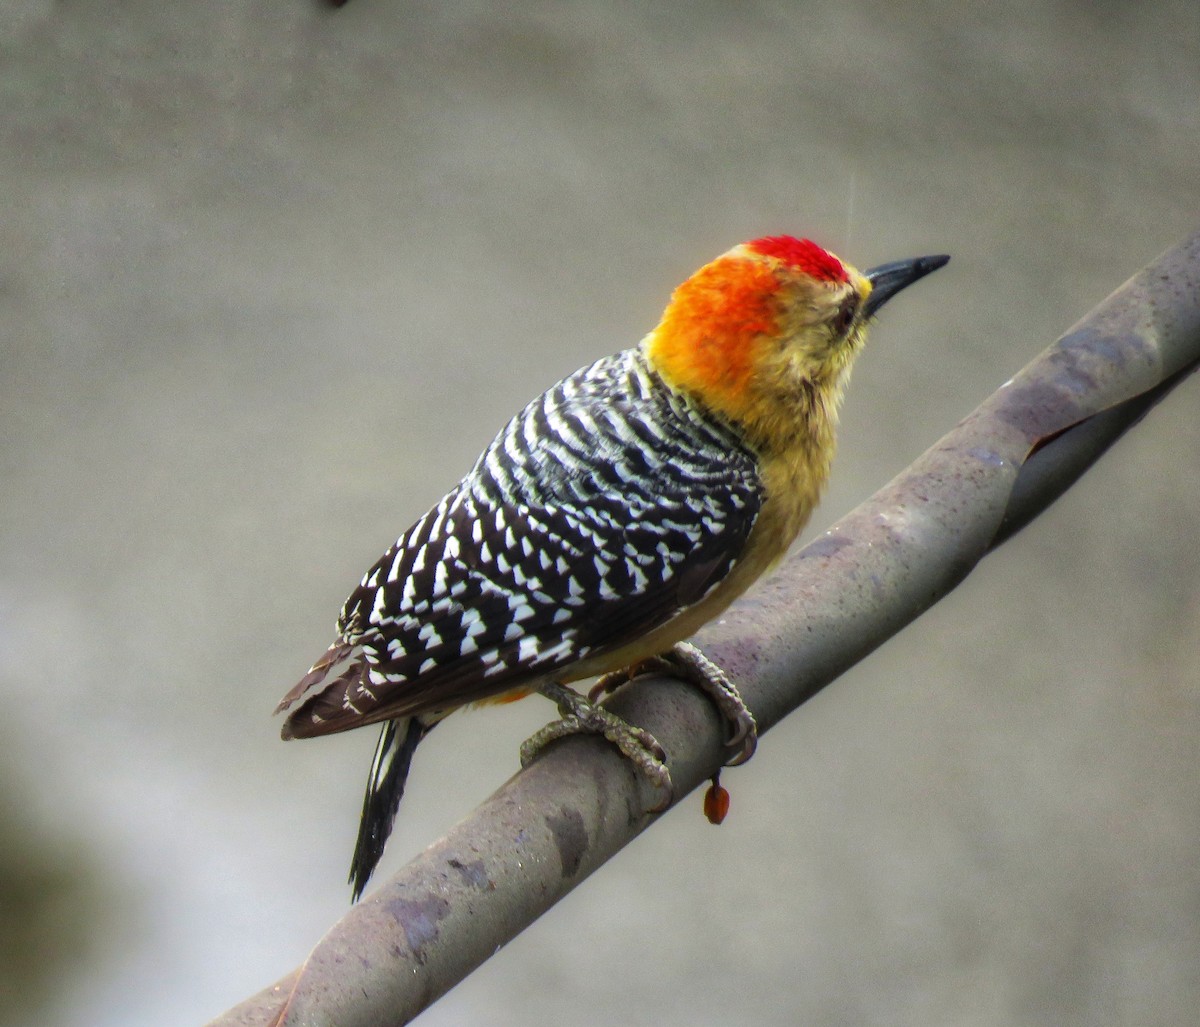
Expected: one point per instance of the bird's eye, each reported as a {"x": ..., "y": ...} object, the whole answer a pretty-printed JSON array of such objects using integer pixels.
[{"x": 844, "y": 318}]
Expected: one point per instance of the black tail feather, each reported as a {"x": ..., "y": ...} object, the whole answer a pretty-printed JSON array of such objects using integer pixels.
[{"x": 385, "y": 788}]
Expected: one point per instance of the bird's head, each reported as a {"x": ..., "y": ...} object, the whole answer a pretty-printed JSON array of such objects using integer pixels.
[{"x": 771, "y": 325}]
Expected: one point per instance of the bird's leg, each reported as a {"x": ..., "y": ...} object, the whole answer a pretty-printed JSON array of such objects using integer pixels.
[
  {"x": 685, "y": 661},
  {"x": 581, "y": 716},
  {"x": 610, "y": 682}
]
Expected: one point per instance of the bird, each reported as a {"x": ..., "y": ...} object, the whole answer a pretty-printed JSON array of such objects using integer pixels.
[{"x": 622, "y": 509}]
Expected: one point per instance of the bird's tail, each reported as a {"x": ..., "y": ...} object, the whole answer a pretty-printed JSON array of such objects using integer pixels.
[{"x": 385, "y": 788}]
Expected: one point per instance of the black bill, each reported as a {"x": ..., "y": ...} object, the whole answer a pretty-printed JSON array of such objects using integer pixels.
[{"x": 888, "y": 279}]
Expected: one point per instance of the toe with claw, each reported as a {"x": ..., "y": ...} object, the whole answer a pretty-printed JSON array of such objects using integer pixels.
[
  {"x": 581, "y": 716},
  {"x": 687, "y": 662}
]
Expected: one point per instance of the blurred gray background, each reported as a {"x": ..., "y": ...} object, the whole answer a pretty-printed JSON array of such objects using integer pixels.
[{"x": 270, "y": 276}]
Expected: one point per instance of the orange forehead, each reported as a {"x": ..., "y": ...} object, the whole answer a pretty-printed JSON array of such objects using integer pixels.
[{"x": 707, "y": 334}]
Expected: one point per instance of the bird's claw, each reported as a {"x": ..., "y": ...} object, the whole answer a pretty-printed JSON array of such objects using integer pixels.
[
  {"x": 581, "y": 716},
  {"x": 688, "y": 663}
]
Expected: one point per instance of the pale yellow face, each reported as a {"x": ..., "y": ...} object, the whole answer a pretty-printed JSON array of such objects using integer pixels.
[{"x": 821, "y": 329}]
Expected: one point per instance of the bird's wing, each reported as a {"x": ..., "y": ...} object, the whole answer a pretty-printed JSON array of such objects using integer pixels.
[{"x": 599, "y": 513}]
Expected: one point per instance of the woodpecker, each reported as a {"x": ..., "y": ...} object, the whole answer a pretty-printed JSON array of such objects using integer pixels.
[{"x": 606, "y": 522}]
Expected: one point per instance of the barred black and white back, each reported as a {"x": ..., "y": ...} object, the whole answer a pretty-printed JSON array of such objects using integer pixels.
[{"x": 603, "y": 510}]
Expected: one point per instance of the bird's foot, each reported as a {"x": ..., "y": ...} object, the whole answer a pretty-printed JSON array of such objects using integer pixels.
[
  {"x": 688, "y": 663},
  {"x": 581, "y": 716}
]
